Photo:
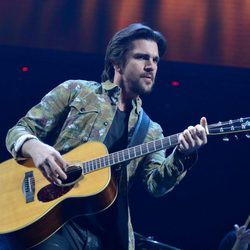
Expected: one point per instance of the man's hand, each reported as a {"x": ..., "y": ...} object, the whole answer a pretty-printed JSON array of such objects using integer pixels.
[
  {"x": 242, "y": 238},
  {"x": 46, "y": 159},
  {"x": 193, "y": 138}
]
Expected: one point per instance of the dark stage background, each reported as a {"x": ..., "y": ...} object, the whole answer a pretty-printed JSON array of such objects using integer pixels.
[{"x": 209, "y": 58}]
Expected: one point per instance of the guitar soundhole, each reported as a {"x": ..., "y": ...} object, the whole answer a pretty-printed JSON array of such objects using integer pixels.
[
  {"x": 74, "y": 174},
  {"x": 52, "y": 192}
]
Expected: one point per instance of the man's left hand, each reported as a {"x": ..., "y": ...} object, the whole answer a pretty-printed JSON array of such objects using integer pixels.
[{"x": 193, "y": 138}]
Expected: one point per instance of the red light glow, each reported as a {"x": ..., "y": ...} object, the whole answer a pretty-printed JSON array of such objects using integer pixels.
[
  {"x": 175, "y": 84},
  {"x": 25, "y": 69}
]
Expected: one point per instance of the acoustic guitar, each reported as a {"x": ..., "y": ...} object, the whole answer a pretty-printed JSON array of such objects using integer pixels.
[{"x": 32, "y": 209}]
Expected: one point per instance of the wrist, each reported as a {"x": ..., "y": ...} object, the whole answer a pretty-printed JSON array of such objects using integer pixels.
[
  {"x": 186, "y": 160},
  {"x": 28, "y": 146}
]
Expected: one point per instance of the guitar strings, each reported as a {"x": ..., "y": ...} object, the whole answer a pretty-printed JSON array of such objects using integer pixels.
[{"x": 101, "y": 162}]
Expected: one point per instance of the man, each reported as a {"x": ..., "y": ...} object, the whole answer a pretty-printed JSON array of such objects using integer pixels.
[{"x": 78, "y": 111}]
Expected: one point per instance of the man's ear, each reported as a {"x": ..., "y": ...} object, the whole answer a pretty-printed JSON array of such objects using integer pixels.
[{"x": 117, "y": 68}]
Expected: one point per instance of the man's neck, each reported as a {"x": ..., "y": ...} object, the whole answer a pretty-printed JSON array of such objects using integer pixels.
[
  {"x": 125, "y": 97},
  {"x": 124, "y": 106},
  {"x": 125, "y": 102}
]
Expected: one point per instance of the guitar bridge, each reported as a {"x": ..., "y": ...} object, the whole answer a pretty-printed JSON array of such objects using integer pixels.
[{"x": 28, "y": 186}]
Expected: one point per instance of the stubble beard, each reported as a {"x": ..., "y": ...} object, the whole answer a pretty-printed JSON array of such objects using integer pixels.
[{"x": 142, "y": 89}]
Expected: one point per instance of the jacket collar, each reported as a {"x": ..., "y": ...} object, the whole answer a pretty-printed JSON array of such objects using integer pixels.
[{"x": 115, "y": 92}]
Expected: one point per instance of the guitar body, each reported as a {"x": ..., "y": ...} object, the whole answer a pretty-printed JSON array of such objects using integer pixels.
[
  {"x": 30, "y": 221},
  {"x": 31, "y": 209}
]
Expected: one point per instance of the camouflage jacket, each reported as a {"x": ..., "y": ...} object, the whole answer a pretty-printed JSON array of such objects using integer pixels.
[{"x": 78, "y": 111}]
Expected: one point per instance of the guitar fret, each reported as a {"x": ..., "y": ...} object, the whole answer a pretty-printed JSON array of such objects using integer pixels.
[
  {"x": 90, "y": 165},
  {"x": 119, "y": 156},
  {"x": 97, "y": 163},
  {"x": 169, "y": 141},
  {"x": 93, "y": 165},
  {"x": 123, "y": 156},
  {"x": 126, "y": 156},
  {"x": 101, "y": 162},
  {"x": 115, "y": 158},
  {"x": 143, "y": 149},
  {"x": 112, "y": 159},
  {"x": 129, "y": 155},
  {"x": 151, "y": 144},
  {"x": 130, "y": 151},
  {"x": 86, "y": 167},
  {"x": 138, "y": 153},
  {"x": 105, "y": 161},
  {"x": 158, "y": 144},
  {"x": 134, "y": 153}
]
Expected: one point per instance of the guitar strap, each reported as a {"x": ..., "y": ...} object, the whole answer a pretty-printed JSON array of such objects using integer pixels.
[
  {"x": 141, "y": 129},
  {"x": 138, "y": 137}
]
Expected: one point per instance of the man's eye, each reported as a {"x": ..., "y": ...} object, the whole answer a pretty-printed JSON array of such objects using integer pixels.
[
  {"x": 142, "y": 57},
  {"x": 156, "y": 60}
]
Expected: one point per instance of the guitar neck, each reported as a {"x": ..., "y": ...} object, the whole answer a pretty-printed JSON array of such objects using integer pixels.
[
  {"x": 131, "y": 153},
  {"x": 220, "y": 128}
]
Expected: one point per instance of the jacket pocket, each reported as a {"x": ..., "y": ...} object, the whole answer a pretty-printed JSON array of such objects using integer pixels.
[{"x": 79, "y": 122}]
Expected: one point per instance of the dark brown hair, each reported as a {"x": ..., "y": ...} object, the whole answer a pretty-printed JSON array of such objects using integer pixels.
[{"x": 121, "y": 42}]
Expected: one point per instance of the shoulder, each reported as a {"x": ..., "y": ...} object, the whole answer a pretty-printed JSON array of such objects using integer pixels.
[
  {"x": 155, "y": 131},
  {"x": 80, "y": 85},
  {"x": 154, "y": 126},
  {"x": 72, "y": 88}
]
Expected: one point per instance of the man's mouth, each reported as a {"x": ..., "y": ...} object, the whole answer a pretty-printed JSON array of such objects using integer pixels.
[{"x": 148, "y": 76}]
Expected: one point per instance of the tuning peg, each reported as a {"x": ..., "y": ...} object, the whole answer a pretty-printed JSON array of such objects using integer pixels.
[
  {"x": 247, "y": 136},
  {"x": 225, "y": 139}
]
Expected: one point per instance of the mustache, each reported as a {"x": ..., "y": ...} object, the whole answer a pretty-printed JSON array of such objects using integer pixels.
[{"x": 148, "y": 75}]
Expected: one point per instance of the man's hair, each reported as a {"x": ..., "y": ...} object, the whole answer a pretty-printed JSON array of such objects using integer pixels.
[{"x": 121, "y": 43}]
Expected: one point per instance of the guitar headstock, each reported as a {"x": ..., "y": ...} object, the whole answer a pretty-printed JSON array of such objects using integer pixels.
[{"x": 230, "y": 127}]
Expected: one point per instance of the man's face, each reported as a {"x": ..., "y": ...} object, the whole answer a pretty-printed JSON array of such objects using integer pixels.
[{"x": 140, "y": 66}]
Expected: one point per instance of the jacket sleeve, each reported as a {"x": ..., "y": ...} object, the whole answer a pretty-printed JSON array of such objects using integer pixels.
[
  {"x": 42, "y": 118},
  {"x": 160, "y": 172}
]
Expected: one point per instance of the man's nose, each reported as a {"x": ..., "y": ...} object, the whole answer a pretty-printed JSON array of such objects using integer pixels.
[{"x": 150, "y": 65}]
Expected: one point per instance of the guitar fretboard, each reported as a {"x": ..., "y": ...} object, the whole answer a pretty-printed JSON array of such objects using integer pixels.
[
  {"x": 130, "y": 153},
  {"x": 220, "y": 128}
]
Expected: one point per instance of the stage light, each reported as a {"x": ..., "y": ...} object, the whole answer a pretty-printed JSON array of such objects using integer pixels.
[
  {"x": 175, "y": 84},
  {"x": 25, "y": 69}
]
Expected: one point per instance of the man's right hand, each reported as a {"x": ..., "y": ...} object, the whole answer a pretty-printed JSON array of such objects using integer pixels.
[{"x": 48, "y": 160}]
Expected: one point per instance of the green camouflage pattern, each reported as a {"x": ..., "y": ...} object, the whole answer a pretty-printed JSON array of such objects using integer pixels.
[{"x": 79, "y": 111}]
